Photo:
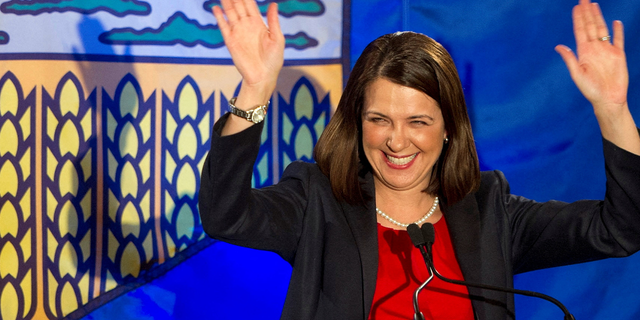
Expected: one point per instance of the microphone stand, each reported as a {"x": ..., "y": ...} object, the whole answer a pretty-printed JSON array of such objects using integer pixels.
[
  {"x": 418, "y": 240},
  {"x": 417, "y": 315},
  {"x": 429, "y": 233}
]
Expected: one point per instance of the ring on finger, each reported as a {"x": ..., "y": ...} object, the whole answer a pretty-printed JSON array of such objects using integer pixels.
[{"x": 606, "y": 38}]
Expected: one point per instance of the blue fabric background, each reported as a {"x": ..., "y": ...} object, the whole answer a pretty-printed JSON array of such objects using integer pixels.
[{"x": 529, "y": 121}]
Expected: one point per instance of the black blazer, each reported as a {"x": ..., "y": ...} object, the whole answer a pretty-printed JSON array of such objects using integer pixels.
[{"x": 333, "y": 246}]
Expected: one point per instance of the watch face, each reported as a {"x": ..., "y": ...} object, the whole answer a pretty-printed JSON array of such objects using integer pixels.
[{"x": 257, "y": 115}]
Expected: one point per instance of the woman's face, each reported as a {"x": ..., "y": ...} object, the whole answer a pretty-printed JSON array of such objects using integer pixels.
[{"x": 402, "y": 135}]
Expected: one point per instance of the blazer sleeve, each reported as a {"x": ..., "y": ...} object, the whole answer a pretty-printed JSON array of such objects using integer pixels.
[
  {"x": 556, "y": 233},
  {"x": 230, "y": 210}
]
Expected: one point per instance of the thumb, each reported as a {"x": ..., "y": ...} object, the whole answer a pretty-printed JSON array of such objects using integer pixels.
[
  {"x": 569, "y": 58},
  {"x": 272, "y": 19}
]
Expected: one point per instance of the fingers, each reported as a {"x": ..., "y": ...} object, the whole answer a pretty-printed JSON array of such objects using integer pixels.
[
  {"x": 589, "y": 24},
  {"x": 589, "y": 21},
  {"x": 273, "y": 21},
  {"x": 618, "y": 34},
  {"x": 601, "y": 26},
  {"x": 236, "y": 10},
  {"x": 222, "y": 23},
  {"x": 252, "y": 8},
  {"x": 239, "y": 8},
  {"x": 229, "y": 10},
  {"x": 569, "y": 58},
  {"x": 579, "y": 25}
]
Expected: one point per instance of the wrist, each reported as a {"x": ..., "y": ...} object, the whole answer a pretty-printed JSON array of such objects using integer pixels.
[
  {"x": 610, "y": 111},
  {"x": 251, "y": 96},
  {"x": 255, "y": 115}
]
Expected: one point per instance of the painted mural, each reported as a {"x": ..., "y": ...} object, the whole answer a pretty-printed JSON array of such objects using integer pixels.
[{"x": 106, "y": 109}]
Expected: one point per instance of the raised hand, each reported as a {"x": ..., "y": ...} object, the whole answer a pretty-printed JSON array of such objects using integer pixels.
[
  {"x": 600, "y": 72},
  {"x": 600, "y": 68},
  {"x": 257, "y": 50}
]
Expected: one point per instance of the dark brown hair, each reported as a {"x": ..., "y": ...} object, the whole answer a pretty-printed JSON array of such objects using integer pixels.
[{"x": 415, "y": 61}]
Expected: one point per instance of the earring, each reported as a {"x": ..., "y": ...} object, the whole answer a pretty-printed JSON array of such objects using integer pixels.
[{"x": 446, "y": 140}]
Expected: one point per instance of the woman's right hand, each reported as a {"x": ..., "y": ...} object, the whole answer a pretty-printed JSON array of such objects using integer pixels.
[{"x": 257, "y": 50}]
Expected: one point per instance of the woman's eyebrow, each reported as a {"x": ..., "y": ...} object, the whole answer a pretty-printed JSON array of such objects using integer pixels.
[
  {"x": 420, "y": 116},
  {"x": 375, "y": 113}
]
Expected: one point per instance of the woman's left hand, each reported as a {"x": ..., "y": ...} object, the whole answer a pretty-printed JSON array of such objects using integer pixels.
[
  {"x": 600, "y": 69},
  {"x": 600, "y": 72}
]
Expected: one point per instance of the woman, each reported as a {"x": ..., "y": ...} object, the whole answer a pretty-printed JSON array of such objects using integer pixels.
[{"x": 398, "y": 150}]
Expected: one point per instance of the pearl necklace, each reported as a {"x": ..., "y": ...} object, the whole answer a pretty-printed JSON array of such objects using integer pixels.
[{"x": 404, "y": 225}]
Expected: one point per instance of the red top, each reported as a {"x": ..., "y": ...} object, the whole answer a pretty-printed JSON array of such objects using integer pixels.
[{"x": 401, "y": 270}]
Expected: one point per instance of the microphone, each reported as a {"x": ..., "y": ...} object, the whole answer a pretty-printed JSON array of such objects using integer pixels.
[
  {"x": 429, "y": 233},
  {"x": 418, "y": 240}
]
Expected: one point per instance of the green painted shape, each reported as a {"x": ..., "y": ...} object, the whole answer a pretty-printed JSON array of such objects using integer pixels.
[
  {"x": 319, "y": 125},
  {"x": 287, "y": 129},
  {"x": 88, "y": 5},
  {"x": 304, "y": 143},
  {"x": 290, "y": 7},
  {"x": 303, "y": 103},
  {"x": 179, "y": 29},
  {"x": 129, "y": 101},
  {"x": 299, "y": 42},
  {"x": 185, "y": 222},
  {"x": 112, "y": 124},
  {"x": 263, "y": 168},
  {"x": 264, "y": 136}
]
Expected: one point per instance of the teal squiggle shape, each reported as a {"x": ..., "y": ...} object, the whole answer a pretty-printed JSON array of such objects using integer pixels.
[
  {"x": 119, "y": 8},
  {"x": 286, "y": 8},
  {"x": 4, "y": 37},
  {"x": 181, "y": 30},
  {"x": 177, "y": 30},
  {"x": 299, "y": 41}
]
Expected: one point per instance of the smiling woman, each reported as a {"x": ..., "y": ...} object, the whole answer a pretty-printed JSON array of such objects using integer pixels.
[
  {"x": 400, "y": 144},
  {"x": 402, "y": 137},
  {"x": 413, "y": 63}
]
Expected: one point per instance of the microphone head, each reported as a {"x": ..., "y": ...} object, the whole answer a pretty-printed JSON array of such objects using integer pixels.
[
  {"x": 428, "y": 233},
  {"x": 416, "y": 235}
]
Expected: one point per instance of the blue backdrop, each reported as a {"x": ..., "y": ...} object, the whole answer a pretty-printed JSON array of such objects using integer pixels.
[{"x": 529, "y": 121}]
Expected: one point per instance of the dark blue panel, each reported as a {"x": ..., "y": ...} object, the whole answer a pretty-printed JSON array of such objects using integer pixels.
[
  {"x": 371, "y": 19},
  {"x": 529, "y": 119},
  {"x": 221, "y": 282}
]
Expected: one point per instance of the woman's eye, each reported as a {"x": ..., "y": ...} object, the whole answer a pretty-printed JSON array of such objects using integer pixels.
[{"x": 419, "y": 123}]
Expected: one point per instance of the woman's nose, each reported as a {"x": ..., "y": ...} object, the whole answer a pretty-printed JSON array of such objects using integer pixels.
[{"x": 397, "y": 140}]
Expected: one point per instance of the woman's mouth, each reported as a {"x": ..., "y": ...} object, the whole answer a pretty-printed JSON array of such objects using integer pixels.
[{"x": 400, "y": 161}]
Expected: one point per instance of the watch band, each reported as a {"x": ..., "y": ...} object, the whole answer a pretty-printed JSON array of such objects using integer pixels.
[{"x": 255, "y": 115}]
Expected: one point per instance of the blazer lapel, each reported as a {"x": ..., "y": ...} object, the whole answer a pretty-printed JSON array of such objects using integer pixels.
[
  {"x": 362, "y": 221},
  {"x": 463, "y": 221}
]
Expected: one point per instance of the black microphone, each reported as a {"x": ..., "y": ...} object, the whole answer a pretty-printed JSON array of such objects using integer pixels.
[
  {"x": 429, "y": 238},
  {"x": 418, "y": 240}
]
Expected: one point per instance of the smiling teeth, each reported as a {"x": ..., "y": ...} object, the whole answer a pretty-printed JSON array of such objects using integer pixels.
[{"x": 401, "y": 161}]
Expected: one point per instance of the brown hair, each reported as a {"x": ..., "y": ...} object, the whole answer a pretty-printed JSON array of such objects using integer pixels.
[{"x": 415, "y": 61}]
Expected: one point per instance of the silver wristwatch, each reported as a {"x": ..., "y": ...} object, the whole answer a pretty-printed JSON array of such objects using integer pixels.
[{"x": 255, "y": 115}]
